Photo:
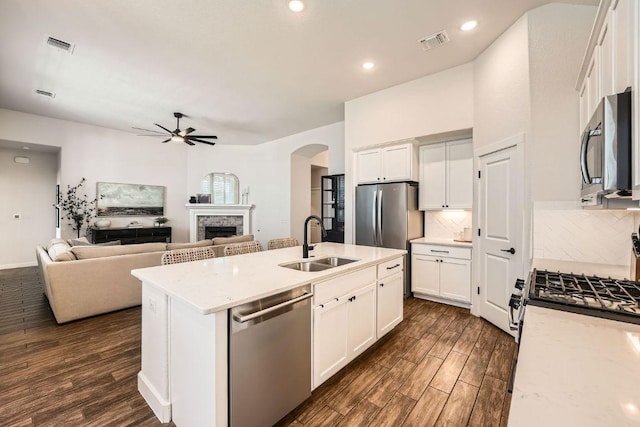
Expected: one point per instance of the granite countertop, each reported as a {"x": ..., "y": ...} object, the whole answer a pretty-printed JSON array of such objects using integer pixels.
[
  {"x": 221, "y": 283},
  {"x": 442, "y": 242},
  {"x": 576, "y": 370},
  {"x": 589, "y": 269}
]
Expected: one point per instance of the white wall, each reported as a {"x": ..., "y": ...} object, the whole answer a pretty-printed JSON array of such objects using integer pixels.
[
  {"x": 558, "y": 35},
  {"x": 266, "y": 169},
  {"x": 438, "y": 103},
  {"x": 300, "y": 194},
  {"x": 501, "y": 87},
  {"x": 28, "y": 190},
  {"x": 101, "y": 154}
]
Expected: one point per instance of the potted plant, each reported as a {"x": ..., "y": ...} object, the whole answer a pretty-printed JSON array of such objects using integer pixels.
[
  {"x": 76, "y": 208},
  {"x": 161, "y": 221}
]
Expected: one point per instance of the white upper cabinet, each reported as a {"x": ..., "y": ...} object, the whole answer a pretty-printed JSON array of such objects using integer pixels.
[
  {"x": 611, "y": 65},
  {"x": 621, "y": 24},
  {"x": 446, "y": 175},
  {"x": 387, "y": 164}
]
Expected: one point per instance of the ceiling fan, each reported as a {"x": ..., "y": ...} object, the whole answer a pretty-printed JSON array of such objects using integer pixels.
[{"x": 181, "y": 135}]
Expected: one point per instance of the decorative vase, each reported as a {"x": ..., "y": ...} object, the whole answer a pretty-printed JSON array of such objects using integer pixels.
[{"x": 103, "y": 223}]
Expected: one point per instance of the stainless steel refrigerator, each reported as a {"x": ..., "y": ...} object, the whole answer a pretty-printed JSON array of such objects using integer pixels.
[{"x": 387, "y": 216}]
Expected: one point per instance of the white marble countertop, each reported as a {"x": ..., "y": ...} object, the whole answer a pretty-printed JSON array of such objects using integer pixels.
[
  {"x": 576, "y": 370},
  {"x": 221, "y": 283},
  {"x": 442, "y": 242},
  {"x": 589, "y": 269}
]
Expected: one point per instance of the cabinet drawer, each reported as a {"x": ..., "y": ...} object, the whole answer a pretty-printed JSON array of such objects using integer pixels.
[
  {"x": 341, "y": 285},
  {"x": 441, "y": 251},
  {"x": 388, "y": 268}
]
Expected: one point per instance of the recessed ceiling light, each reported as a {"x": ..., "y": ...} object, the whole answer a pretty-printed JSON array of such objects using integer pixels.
[
  {"x": 26, "y": 148},
  {"x": 368, "y": 65},
  {"x": 296, "y": 5},
  {"x": 469, "y": 25}
]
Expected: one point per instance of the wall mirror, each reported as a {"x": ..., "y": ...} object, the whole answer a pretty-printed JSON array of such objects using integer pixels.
[{"x": 223, "y": 188}]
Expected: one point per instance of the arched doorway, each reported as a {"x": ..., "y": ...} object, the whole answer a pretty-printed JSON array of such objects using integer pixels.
[{"x": 302, "y": 172}]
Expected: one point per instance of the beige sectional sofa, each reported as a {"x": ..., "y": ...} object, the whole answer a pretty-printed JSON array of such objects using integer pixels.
[{"x": 83, "y": 281}]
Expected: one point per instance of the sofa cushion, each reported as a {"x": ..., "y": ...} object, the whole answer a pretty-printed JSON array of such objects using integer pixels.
[
  {"x": 198, "y": 244},
  {"x": 232, "y": 239},
  {"x": 88, "y": 252},
  {"x": 61, "y": 251}
]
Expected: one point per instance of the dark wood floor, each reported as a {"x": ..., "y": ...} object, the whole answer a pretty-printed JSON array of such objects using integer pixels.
[{"x": 440, "y": 366}]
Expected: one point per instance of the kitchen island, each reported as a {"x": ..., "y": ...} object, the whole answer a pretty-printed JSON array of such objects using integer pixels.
[{"x": 185, "y": 319}]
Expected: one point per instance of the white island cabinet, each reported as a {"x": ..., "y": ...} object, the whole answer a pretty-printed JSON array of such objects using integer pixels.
[{"x": 185, "y": 309}]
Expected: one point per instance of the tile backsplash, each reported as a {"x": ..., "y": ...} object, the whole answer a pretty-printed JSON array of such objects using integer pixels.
[
  {"x": 563, "y": 231},
  {"x": 444, "y": 224}
]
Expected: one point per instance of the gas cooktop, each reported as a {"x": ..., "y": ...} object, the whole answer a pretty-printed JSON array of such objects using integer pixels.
[{"x": 591, "y": 295}]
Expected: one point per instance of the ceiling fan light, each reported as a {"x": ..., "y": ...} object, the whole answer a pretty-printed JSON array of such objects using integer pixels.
[
  {"x": 296, "y": 5},
  {"x": 176, "y": 138}
]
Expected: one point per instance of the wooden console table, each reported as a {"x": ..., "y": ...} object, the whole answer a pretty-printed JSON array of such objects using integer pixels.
[{"x": 128, "y": 236}]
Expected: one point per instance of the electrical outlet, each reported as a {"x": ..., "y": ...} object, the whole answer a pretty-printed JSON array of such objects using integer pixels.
[{"x": 152, "y": 305}]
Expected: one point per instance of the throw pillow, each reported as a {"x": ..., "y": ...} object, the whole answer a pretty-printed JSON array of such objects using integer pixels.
[
  {"x": 60, "y": 252},
  {"x": 81, "y": 241}
]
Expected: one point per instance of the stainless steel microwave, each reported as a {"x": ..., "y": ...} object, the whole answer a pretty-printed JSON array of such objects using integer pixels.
[{"x": 605, "y": 153}]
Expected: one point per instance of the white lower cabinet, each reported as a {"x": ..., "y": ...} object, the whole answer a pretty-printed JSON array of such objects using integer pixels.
[
  {"x": 342, "y": 328},
  {"x": 361, "y": 318},
  {"x": 443, "y": 276},
  {"x": 390, "y": 295},
  {"x": 352, "y": 312},
  {"x": 330, "y": 351}
]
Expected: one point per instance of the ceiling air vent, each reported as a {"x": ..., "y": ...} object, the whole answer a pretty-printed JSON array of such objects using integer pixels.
[
  {"x": 45, "y": 93},
  {"x": 60, "y": 44},
  {"x": 434, "y": 40}
]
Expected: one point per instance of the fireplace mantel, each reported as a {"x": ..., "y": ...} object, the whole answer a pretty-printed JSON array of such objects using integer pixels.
[{"x": 205, "y": 209}]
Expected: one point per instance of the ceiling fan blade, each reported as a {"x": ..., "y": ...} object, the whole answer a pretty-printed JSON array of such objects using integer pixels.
[
  {"x": 203, "y": 136},
  {"x": 147, "y": 130},
  {"x": 200, "y": 140},
  {"x": 187, "y": 141},
  {"x": 162, "y": 127},
  {"x": 186, "y": 132},
  {"x": 166, "y": 140}
]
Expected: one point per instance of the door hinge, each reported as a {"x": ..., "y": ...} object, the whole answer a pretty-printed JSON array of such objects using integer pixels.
[
  {"x": 478, "y": 174},
  {"x": 478, "y": 290},
  {"x": 478, "y": 232}
]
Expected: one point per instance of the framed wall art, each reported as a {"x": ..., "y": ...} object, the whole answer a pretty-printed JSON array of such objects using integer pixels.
[{"x": 115, "y": 199}]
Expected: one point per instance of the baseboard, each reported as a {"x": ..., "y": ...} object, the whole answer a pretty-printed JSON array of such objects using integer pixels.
[
  {"x": 18, "y": 265},
  {"x": 442, "y": 300},
  {"x": 160, "y": 407}
]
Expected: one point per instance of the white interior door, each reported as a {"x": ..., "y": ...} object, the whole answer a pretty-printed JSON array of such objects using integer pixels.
[{"x": 500, "y": 221}]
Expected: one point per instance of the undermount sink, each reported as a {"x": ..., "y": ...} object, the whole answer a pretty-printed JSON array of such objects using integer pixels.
[
  {"x": 334, "y": 261},
  {"x": 319, "y": 264}
]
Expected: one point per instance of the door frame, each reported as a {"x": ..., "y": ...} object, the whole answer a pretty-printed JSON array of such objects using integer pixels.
[{"x": 517, "y": 141}]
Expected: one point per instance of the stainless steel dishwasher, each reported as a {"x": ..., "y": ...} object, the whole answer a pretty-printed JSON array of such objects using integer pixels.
[{"x": 269, "y": 357}]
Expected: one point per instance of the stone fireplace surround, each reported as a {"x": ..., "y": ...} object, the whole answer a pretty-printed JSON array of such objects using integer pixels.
[{"x": 201, "y": 215}]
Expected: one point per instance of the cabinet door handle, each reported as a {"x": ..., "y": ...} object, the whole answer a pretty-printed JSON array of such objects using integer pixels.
[
  {"x": 382, "y": 284},
  {"x": 440, "y": 252},
  {"x": 395, "y": 266}
]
